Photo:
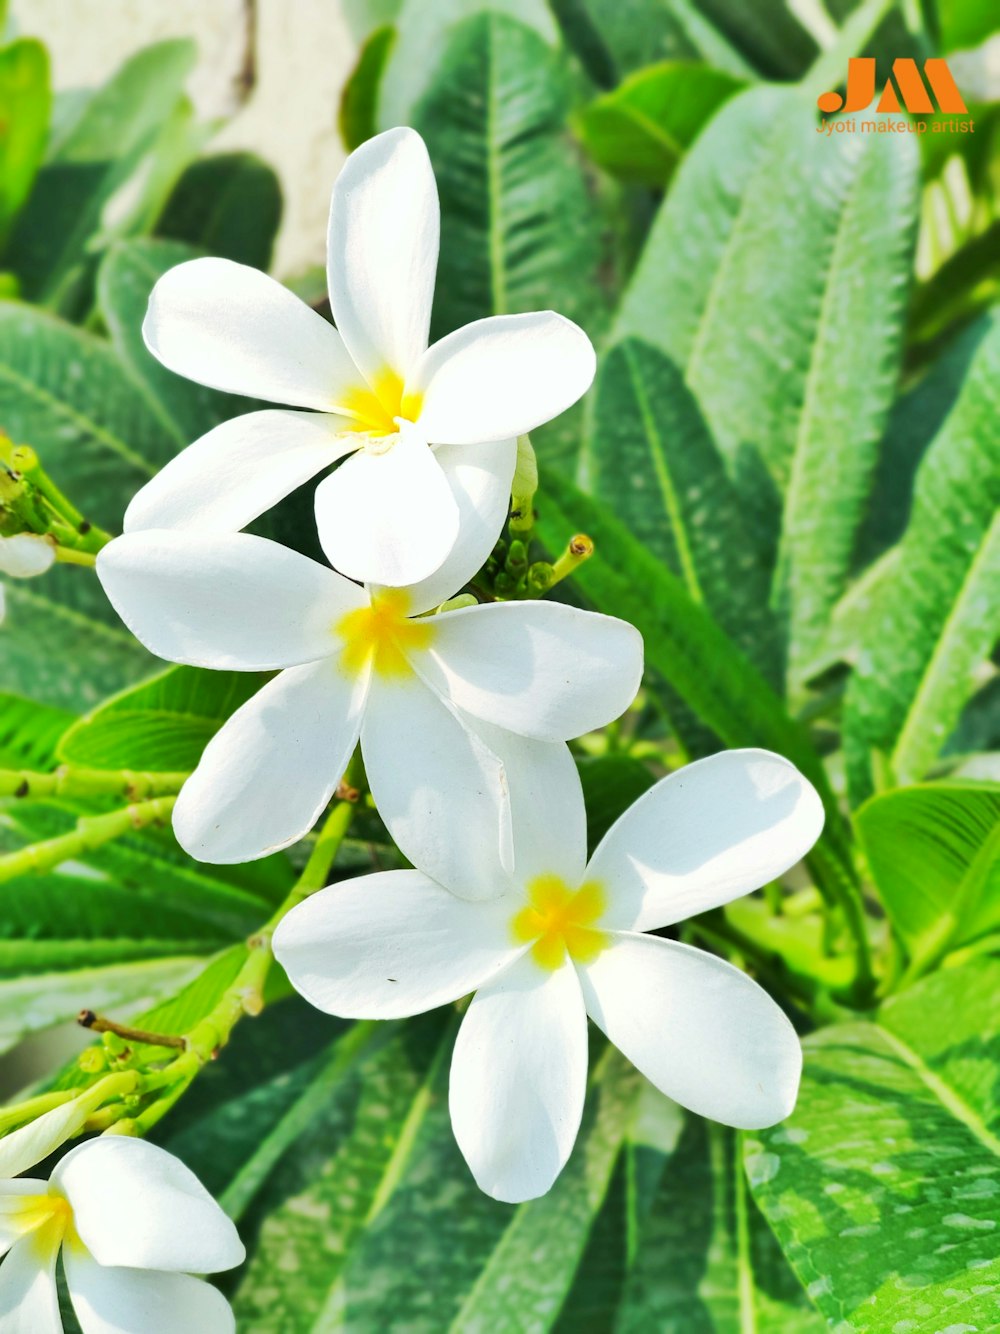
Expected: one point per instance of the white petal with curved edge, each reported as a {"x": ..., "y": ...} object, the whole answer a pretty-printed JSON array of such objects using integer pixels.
[
  {"x": 238, "y": 470},
  {"x": 266, "y": 776},
  {"x": 518, "y": 1079},
  {"x": 539, "y": 668},
  {"x": 136, "y": 1204},
  {"x": 26, "y": 555},
  {"x": 232, "y": 327},
  {"x": 700, "y": 1030},
  {"x": 547, "y": 815},
  {"x": 31, "y": 1143},
  {"x": 479, "y": 477},
  {"x": 19, "y": 1200},
  {"x": 391, "y": 944},
  {"x": 225, "y": 600},
  {"x": 501, "y": 376},
  {"x": 115, "y": 1300},
  {"x": 388, "y": 518},
  {"x": 441, "y": 791},
  {"x": 708, "y": 833},
  {"x": 382, "y": 250},
  {"x": 29, "y": 1300}
]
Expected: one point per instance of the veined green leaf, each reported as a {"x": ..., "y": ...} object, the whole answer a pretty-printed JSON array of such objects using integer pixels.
[
  {"x": 641, "y": 130},
  {"x": 882, "y": 1185},
  {"x": 775, "y": 276},
  {"x": 227, "y": 204},
  {"x": 29, "y": 733},
  {"x": 25, "y": 107},
  {"x": 653, "y": 462},
  {"x": 937, "y": 618},
  {"x": 88, "y": 161},
  {"x": 163, "y": 724},
  {"x": 934, "y": 853}
]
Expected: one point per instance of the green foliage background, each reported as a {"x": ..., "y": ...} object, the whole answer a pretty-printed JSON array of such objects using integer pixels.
[{"x": 790, "y": 465}]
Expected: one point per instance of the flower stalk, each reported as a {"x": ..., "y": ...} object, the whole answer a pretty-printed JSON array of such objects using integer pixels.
[{"x": 91, "y": 832}]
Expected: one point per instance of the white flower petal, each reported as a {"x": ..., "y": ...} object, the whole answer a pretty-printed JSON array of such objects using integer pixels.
[
  {"x": 700, "y": 1030},
  {"x": 441, "y": 791},
  {"x": 266, "y": 776},
  {"x": 392, "y": 944},
  {"x": 225, "y": 600},
  {"x": 501, "y": 376},
  {"x": 238, "y": 470},
  {"x": 388, "y": 518},
  {"x": 479, "y": 478},
  {"x": 706, "y": 834},
  {"x": 382, "y": 252},
  {"x": 29, "y": 1299},
  {"x": 539, "y": 668},
  {"x": 114, "y": 1300},
  {"x": 547, "y": 815},
  {"x": 31, "y": 1143},
  {"x": 234, "y": 328},
  {"x": 16, "y": 1212},
  {"x": 519, "y": 1078},
  {"x": 26, "y": 555},
  {"x": 136, "y": 1204}
]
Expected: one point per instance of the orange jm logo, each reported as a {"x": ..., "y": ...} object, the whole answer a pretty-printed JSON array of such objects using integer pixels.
[{"x": 912, "y": 89}]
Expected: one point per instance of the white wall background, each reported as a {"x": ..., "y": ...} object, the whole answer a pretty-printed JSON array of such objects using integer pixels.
[{"x": 300, "y": 51}]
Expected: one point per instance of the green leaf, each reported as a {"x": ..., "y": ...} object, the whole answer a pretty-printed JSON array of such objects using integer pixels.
[
  {"x": 773, "y": 249},
  {"x": 184, "y": 410},
  {"x": 357, "y": 119},
  {"x": 29, "y": 1004},
  {"x": 692, "y": 1203},
  {"x": 518, "y": 230},
  {"x": 934, "y": 620},
  {"x": 653, "y": 462},
  {"x": 882, "y": 1185},
  {"x": 163, "y": 724},
  {"x": 641, "y": 131},
  {"x": 684, "y": 645},
  {"x": 611, "y": 783},
  {"x": 88, "y": 162},
  {"x": 29, "y": 733},
  {"x": 227, "y": 204},
  {"x": 25, "y": 107},
  {"x": 934, "y": 853},
  {"x": 424, "y": 33}
]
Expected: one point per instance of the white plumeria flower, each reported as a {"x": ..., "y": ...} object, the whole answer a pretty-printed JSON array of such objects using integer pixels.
[
  {"x": 565, "y": 940},
  {"x": 134, "y": 1225},
  {"x": 23, "y": 557},
  {"x": 460, "y": 714},
  {"x": 389, "y": 514}
]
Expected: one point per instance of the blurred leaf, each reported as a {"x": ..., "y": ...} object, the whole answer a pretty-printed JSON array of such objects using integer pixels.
[
  {"x": 770, "y": 35},
  {"x": 936, "y": 618},
  {"x": 87, "y": 164},
  {"x": 228, "y": 204},
  {"x": 881, "y": 1186},
  {"x": 934, "y": 853},
  {"x": 28, "y": 1004},
  {"x": 652, "y": 461},
  {"x": 774, "y": 248},
  {"x": 163, "y": 724},
  {"x": 25, "y": 106},
  {"x": 358, "y": 116},
  {"x": 424, "y": 33},
  {"x": 641, "y": 131},
  {"x": 966, "y": 22},
  {"x": 517, "y": 229},
  {"x": 611, "y": 783},
  {"x": 128, "y": 273},
  {"x": 29, "y": 732}
]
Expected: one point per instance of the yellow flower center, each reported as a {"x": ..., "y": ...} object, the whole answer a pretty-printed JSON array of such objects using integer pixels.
[
  {"x": 382, "y": 634},
  {"x": 560, "y": 920},
  {"x": 376, "y": 408},
  {"x": 23, "y": 1214}
]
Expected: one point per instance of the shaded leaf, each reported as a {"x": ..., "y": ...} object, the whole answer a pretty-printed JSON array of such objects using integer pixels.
[
  {"x": 226, "y": 204},
  {"x": 358, "y": 116},
  {"x": 25, "y": 106}
]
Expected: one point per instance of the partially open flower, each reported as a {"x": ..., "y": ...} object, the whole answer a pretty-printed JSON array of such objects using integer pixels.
[
  {"x": 389, "y": 513},
  {"x": 458, "y": 713},
  {"x": 24, "y": 556},
  {"x": 134, "y": 1225},
  {"x": 566, "y": 940}
]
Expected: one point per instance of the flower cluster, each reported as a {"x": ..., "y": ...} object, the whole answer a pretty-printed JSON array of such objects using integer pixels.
[{"x": 463, "y": 710}]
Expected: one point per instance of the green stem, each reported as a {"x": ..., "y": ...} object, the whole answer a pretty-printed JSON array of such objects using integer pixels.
[
  {"x": 71, "y": 556},
  {"x": 579, "y": 549},
  {"x": 91, "y": 832},
  {"x": 21, "y": 1112},
  {"x": 71, "y": 782},
  {"x": 838, "y": 887},
  {"x": 90, "y": 538},
  {"x": 245, "y": 994}
]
